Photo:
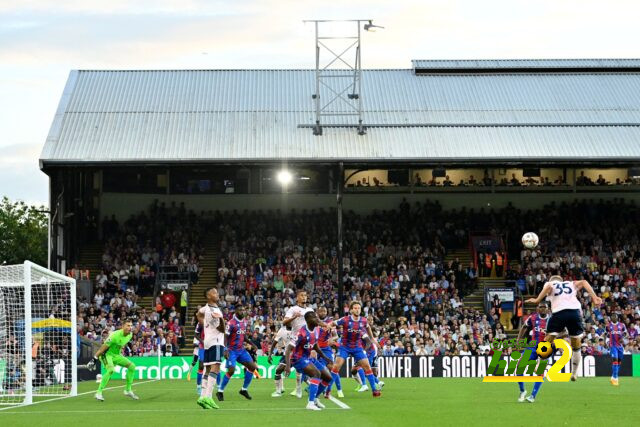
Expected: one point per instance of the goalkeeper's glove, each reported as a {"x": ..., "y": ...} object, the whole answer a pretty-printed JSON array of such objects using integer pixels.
[{"x": 93, "y": 364}]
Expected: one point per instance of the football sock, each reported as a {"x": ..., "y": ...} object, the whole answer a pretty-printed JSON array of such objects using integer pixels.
[
  {"x": 105, "y": 380},
  {"x": 616, "y": 369},
  {"x": 225, "y": 381},
  {"x": 248, "y": 376},
  {"x": 203, "y": 390},
  {"x": 575, "y": 361},
  {"x": 336, "y": 380},
  {"x": 131, "y": 372},
  {"x": 298, "y": 380},
  {"x": 313, "y": 388},
  {"x": 372, "y": 379},
  {"x": 321, "y": 388},
  {"x": 536, "y": 387},
  {"x": 361, "y": 375},
  {"x": 199, "y": 377},
  {"x": 210, "y": 383}
]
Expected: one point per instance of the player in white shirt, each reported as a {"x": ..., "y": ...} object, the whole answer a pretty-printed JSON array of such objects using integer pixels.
[
  {"x": 566, "y": 312},
  {"x": 294, "y": 317},
  {"x": 280, "y": 341},
  {"x": 214, "y": 329}
]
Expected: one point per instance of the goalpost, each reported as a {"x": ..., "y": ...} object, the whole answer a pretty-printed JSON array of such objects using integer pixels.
[{"x": 38, "y": 334}]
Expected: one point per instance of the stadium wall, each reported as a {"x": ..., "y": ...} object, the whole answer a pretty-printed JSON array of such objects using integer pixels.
[{"x": 123, "y": 204}]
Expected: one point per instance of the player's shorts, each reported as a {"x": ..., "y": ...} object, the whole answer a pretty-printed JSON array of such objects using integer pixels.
[
  {"x": 302, "y": 363},
  {"x": 616, "y": 352},
  {"x": 111, "y": 360},
  {"x": 319, "y": 362},
  {"x": 213, "y": 355},
  {"x": 241, "y": 356},
  {"x": 357, "y": 353},
  {"x": 328, "y": 351},
  {"x": 570, "y": 319},
  {"x": 372, "y": 355}
]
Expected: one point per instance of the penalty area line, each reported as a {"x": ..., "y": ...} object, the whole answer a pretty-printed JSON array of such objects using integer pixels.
[
  {"x": 341, "y": 404},
  {"x": 22, "y": 405}
]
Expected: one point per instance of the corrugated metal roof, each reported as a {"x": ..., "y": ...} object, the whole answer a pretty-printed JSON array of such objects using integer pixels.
[
  {"x": 505, "y": 64},
  {"x": 213, "y": 115}
]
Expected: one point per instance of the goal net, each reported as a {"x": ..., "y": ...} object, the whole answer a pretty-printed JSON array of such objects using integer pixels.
[{"x": 37, "y": 334}]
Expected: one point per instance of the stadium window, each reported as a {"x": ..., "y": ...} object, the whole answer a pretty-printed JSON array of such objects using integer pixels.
[
  {"x": 134, "y": 180},
  {"x": 589, "y": 177}
]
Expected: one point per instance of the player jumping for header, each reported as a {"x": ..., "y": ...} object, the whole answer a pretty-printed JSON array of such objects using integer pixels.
[{"x": 566, "y": 313}]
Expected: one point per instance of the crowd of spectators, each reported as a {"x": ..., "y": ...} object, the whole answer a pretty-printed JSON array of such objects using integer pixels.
[
  {"x": 411, "y": 293},
  {"x": 397, "y": 269},
  {"x": 163, "y": 238}
]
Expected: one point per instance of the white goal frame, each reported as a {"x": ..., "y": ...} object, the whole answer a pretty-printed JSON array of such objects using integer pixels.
[{"x": 27, "y": 268}]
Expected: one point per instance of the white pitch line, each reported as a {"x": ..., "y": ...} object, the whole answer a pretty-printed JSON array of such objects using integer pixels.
[
  {"x": 103, "y": 411},
  {"x": 71, "y": 397},
  {"x": 339, "y": 403}
]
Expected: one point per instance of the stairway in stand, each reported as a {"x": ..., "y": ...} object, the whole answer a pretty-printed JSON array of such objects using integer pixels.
[
  {"x": 208, "y": 279},
  {"x": 91, "y": 258},
  {"x": 465, "y": 257}
]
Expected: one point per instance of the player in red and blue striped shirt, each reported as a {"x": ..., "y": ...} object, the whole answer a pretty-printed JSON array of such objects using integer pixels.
[
  {"x": 535, "y": 326},
  {"x": 326, "y": 339},
  {"x": 235, "y": 352},
  {"x": 299, "y": 356},
  {"x": 616, "y": 331},
  {"x": 354, "y": 328}
]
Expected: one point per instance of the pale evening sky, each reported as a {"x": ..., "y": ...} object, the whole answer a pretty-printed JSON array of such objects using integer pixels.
[{"x": 41, "y": 41}]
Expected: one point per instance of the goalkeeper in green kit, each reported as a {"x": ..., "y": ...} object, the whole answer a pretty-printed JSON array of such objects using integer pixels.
[{"x": 110, "y": 355}]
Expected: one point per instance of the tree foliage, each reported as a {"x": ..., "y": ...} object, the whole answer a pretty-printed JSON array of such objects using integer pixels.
[{"x": 23, "y": 233}]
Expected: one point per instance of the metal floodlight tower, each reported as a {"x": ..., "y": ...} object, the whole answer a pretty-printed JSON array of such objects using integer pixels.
[{"x": 343, "y": 87}]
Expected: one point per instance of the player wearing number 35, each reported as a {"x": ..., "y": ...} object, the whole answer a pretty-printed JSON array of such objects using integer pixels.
[{"x": 566, "y": 312}]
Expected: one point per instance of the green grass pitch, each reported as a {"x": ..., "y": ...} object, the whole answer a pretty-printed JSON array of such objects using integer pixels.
[{"x": 405, "y": 402}]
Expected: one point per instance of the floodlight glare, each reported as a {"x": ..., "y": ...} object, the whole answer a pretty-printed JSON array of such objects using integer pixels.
[{"x": 284, "y": 176}]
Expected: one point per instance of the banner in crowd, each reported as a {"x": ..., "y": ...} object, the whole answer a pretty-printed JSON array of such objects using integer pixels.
[
  {"x": 505, "y": 294},
  {"x": 176, "y": 368},
  {"x": 476, "y": 366},
  {"x": 635, "y": 361}
]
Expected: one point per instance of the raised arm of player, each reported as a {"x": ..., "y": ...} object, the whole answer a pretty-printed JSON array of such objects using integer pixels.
[
  {"x": 273, "y": 346},
  {"x": 103, "y": 348},
  {"x": 524, "y": 331},
  {"x": 287, "y": 320},
  {"x": 372, "y": 337},
  {"x": 543, "y": 294},
  {"x": 583, "y": 284}
]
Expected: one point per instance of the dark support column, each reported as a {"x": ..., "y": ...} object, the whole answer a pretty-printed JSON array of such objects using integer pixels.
[{"x": 340, "y": 181}]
